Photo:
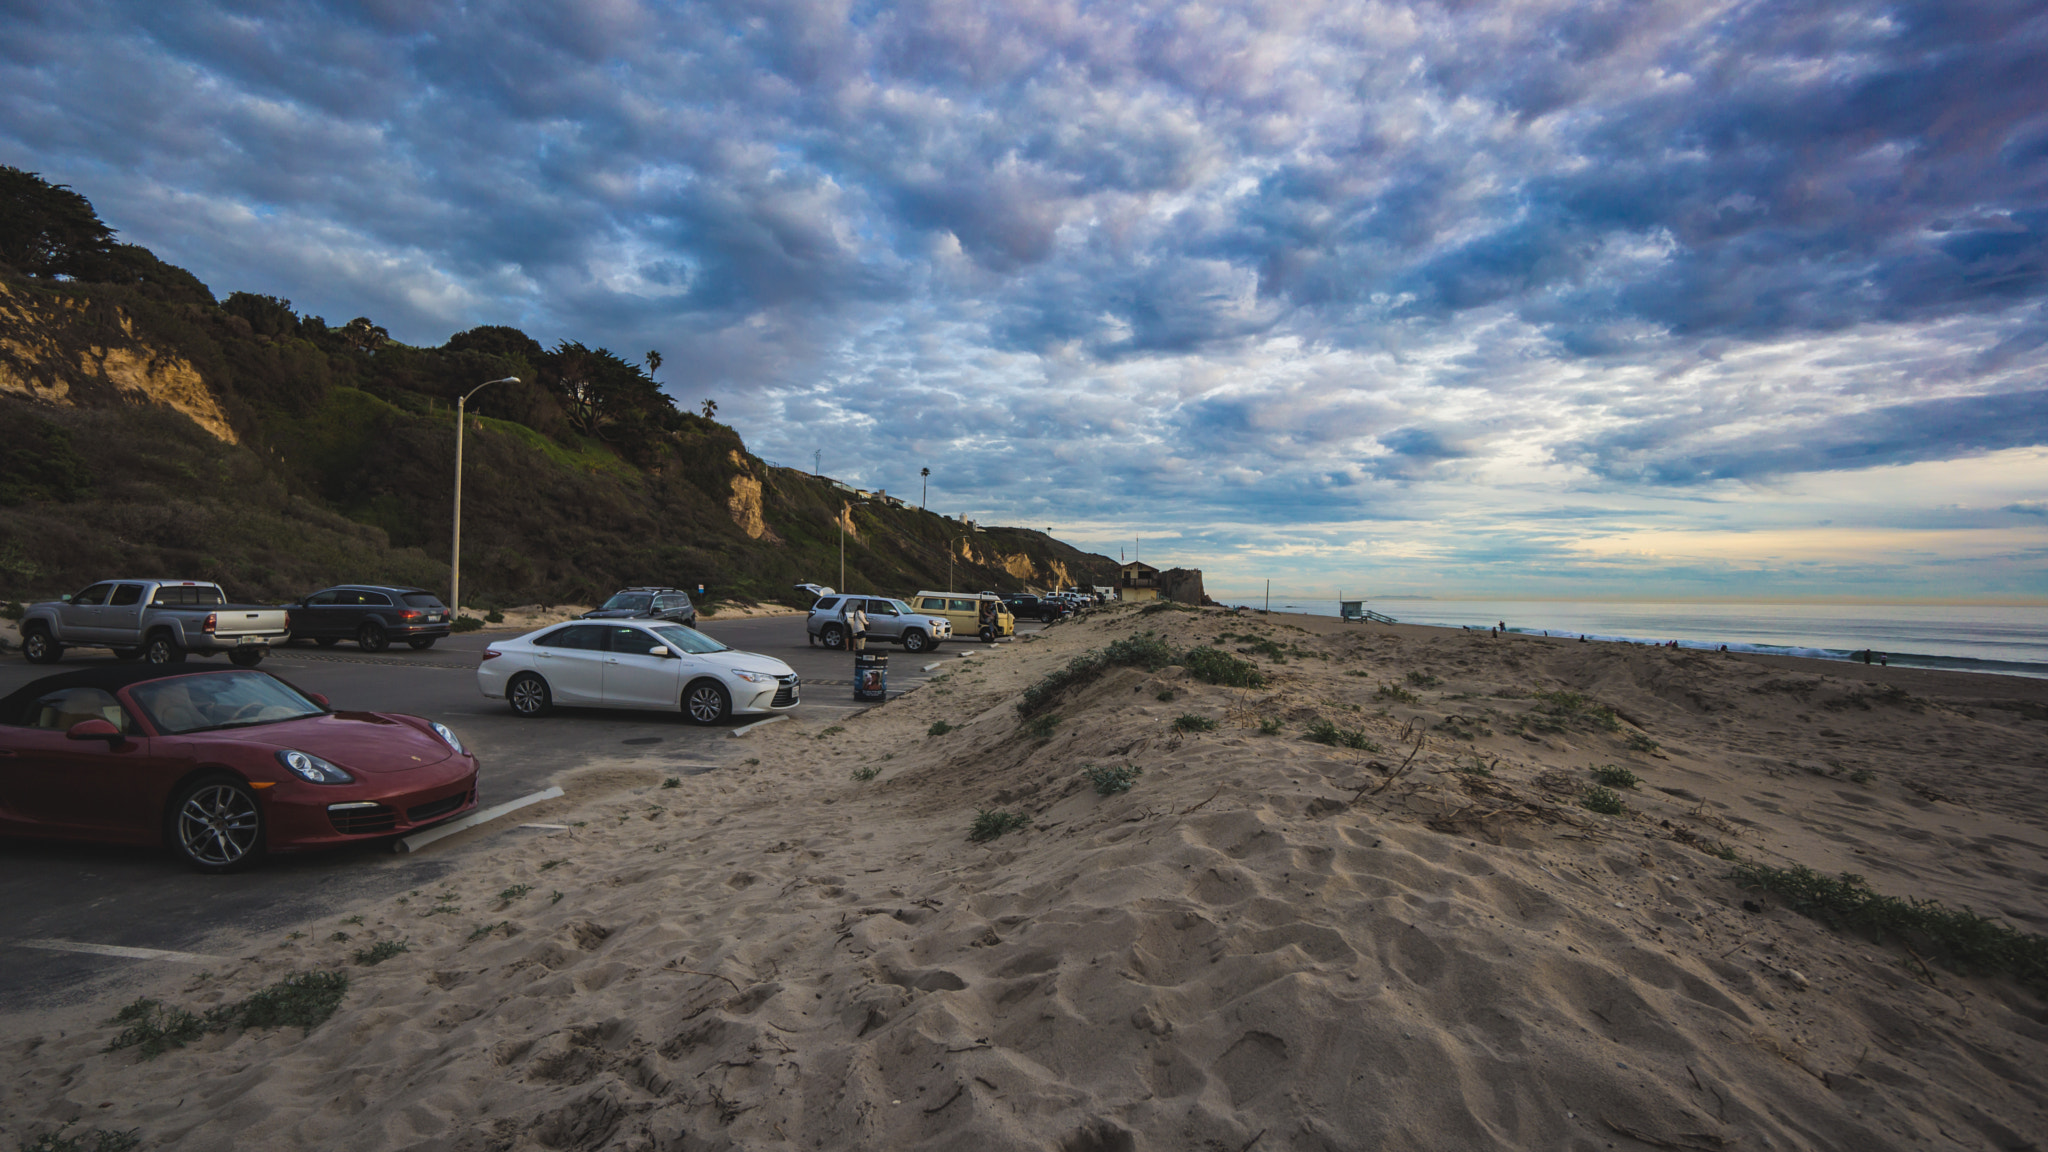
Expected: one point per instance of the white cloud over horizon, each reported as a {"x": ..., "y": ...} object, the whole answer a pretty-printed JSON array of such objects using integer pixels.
[{"x": 1606, "y": 299}]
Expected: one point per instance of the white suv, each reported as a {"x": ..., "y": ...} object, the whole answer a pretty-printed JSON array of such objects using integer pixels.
[{"x": 887, "y": 620}]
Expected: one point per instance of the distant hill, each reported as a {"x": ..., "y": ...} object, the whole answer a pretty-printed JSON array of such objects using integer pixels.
[{"x": 151, "y": 429}]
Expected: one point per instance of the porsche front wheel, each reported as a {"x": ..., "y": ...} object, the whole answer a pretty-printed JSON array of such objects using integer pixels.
[{"x": 216, "y": 825}]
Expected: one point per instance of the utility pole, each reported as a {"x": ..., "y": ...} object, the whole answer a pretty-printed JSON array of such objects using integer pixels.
[
  {"x": 843, "y": 514},
  {"x": 1269, "y": 597}
]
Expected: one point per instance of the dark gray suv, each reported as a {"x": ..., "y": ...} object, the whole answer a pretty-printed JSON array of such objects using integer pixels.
[
  {"x": 372, "y": 615},
  {"x": 647, "y": 604}
]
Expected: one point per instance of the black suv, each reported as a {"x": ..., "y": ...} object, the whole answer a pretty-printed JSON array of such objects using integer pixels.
[
  {"x": 1028, "y": 607},
  {"x": 372, "y": 615},
  {"x": 647, "y": 604}
]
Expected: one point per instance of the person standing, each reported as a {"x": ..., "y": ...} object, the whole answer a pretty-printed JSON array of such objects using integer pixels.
[
  {"x": 987, "y": 621},
  {"x": 857, "y": 624}
]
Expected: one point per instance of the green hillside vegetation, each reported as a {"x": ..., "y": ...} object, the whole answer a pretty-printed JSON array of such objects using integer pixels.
[{"x": 584, "y": 478}]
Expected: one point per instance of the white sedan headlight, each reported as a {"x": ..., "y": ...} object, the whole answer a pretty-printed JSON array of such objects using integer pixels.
[{"x": 754, "y": 677}]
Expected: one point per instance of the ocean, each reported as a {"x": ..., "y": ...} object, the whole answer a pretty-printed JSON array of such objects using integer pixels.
[{"x": 2011, "y": 641}]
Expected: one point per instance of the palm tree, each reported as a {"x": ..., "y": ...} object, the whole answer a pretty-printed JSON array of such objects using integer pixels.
[{"x": 653, "y": 363}]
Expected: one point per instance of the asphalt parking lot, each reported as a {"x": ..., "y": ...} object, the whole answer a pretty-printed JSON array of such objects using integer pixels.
[{"x": 144, "y": 900}]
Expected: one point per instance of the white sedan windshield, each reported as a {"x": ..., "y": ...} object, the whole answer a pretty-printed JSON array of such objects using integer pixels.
[{"x": 689, "y": 641}]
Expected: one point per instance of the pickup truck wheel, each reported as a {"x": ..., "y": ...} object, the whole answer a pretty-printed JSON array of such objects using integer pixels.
[
  {"x": 372, "y": 638},
  {"x": 706, "y": 702},
  {"x": 244, "y": 658},
  {"x": 215, "y": 824},
  {"x": 914, "y": 641},
  {"x": 529, "y": 696},
  {"x": 40, "y": 649},
  {"x": 832, "y": 636},
  {"x": 422, "y": 643},
  {"x": 162, "y": 649},
  {"x": 326, "y": 641}
]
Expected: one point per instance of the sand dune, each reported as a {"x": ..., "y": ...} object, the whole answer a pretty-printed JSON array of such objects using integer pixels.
[{"x": 1267, "y": 943}]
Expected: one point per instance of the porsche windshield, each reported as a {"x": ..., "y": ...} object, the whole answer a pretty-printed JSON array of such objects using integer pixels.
[
  {"x": 689, "y": 641},
  {"x": 215, "y": 700}
]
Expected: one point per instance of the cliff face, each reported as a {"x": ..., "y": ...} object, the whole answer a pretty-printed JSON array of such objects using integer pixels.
[
  {"x": 246, "y": 444},
  {"x": 48, "y": 354}
]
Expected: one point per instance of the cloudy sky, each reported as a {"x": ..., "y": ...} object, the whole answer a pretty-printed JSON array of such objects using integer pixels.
[{"x": 1596, "y": 300}]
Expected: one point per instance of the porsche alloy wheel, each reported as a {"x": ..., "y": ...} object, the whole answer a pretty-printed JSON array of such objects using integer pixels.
[
  {"x": 706, "y": 702},
  {"x": 216, "y": 825}
]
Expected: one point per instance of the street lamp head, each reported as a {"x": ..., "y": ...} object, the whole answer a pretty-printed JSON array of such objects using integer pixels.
[{"x": 506, "y": 380}]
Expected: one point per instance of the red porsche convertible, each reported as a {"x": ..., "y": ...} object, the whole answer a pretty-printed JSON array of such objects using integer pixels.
[{"x": 221, "y": 766}]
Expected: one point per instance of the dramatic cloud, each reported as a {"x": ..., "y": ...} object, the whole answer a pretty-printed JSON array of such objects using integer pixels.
[{"x": 1431, "y": 294}]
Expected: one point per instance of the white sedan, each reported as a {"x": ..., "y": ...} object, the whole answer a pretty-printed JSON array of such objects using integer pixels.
[{"x": 621, "y": 664}]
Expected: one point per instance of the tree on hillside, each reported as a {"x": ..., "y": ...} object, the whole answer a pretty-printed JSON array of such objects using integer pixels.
[
  {"x": 364, "y": 336},
  {"x": 47, "y": 229},
  {"x": 653, "y": 362},
  {"x": 600, "y": 390}
]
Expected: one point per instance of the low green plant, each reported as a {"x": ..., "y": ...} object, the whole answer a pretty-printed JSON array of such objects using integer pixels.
[
  {"x": 1638, "y": 742},
  {"x": 1165, "y": 696},
  {"x": 1423, "y": 680},
  {"x": 515, "y": 892},
  {"x": 1324, "y": 732},
  {"x": 355, "y": 919},
  {"x": 989, "y": 824},
  {"x": 555, "y": 899},
  {"x": 1464, "y": 727},
  {"x": 483, "y": 930},
  {"x": 465, "y": 624},
  {"x": 303, "y": 1001},
  {"x": 550, "y": 865},
  {"x": 90, "y": 1140},
  {"x": 338, "y": 938},
  {"x": 381, "y": 951},
  {"x": 938, "y": 728},
  {"x": 1041, "y": 727},
  {"x": 1110, "y": 781},
  {"x": 1605, "y": 801},
  {"x": 1269, "y": 727},
  {"x": 834, "y": 730},
  {"x": 1577, "y": 708},
  {"x": 1188, "y": 722},
  {"x": 866, "y": 774},
  {"x": 494, "y": 617},
  {"x": 1956, "y": 937},
  {"x": 1861, "y": 776},
  {"x": 672, "y": 782},
  {"x": 752, "y": 762},
  {"x": 1158, "y": 606},
  {"x": 1215, "y": 666},
  {"x": 1615, "y": 776},
  {"x": 1477, "y": 767},
  {"x": 1393, "y": 691}
]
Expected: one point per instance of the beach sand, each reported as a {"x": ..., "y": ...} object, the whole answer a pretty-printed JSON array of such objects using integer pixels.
[{"x": 1267, "y": 943}]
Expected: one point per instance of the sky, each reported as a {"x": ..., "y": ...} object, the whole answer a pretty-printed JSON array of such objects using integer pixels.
[{"x": 1571, "y": 300}]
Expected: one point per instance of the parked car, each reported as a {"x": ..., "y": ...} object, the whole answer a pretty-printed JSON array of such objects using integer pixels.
[
  {"x": 1028, "y": 607},
  {"x": 888, "y": 619},
  {"x": 372, "y": 615},
  {"x": 218, "y": 764},
  {"x": 671, "y": 604},
  {"x": 963, "y": 611},
  {"x": 643, "y": 664},
  {"x": 157, "y": 620}
]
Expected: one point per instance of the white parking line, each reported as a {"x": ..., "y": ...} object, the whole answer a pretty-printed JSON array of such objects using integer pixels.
[
  {"x": 757, "y": 724},
  {"x": 118, "y": 950},
  {"x": 416, "y": 842}
]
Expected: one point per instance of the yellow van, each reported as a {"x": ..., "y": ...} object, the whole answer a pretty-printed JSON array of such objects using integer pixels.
[{"x": 964, "y": 610}]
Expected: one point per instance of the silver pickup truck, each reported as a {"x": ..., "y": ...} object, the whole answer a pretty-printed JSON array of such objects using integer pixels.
[{"x": 155, "y": 620}]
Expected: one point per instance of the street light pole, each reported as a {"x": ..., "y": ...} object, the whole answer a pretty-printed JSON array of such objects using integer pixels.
[
  {"x": 927, "y": 474},
  {"x": 455, "y": 550}
]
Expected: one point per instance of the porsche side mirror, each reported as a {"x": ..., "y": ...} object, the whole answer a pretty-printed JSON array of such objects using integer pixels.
[
  {"x": 94, "y": 730},
  {"x": 317, "y": 698},
  {"x": 658, "y": 650}
]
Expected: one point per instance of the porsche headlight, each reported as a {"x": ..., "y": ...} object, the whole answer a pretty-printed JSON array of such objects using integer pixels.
[
  {"x": 313, "y": 769},
  {"x": 442, "y": 731}
]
